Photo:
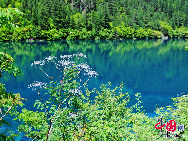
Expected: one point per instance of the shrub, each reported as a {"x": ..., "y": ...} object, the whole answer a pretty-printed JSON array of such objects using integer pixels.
[
  {"x": 3, "y": 36},
  {"x": 128, "y": 32},
  {"x": 104, "y": 33},
  {"x": 179, "y": 32},
  {"x": 63, "y": 33},
  {"x": 23, "y": 33},
  {"x": 119, "y": 32},
  {"x": 185, "y": 34},
  {"x": 97, "y": 38},
  {"x": 53, "y": 34},
  {"x": 73, "y": 34},
  {"x": 140, "y": 33},
  {"x": 125, "y": 32},
  {"x": 166, "y": 29},
  {"x": 84, "y": 34},
  {"x": 44, "y": 33},
  {"x": 79, "y": 21},
  {"x": 69, "y": 114},
  {"x": 8, "y": 16},
  {"x": 150, "y": 33},
  {"x": 18, "y": 34},
  {"x": 89, "y": 35},
  {"x": 56, "y": 115},
  {"x": 6, "y": 33},
  {"x": 8, "y": 101},
  {"x": 157, "y": 34},
  {"x": 93, "y": 33}
]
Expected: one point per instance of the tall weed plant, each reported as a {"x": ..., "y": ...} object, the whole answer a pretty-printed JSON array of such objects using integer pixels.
[{"x": 69, "y": 114}]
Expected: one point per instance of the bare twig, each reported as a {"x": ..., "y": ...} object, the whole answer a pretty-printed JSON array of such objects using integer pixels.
[
  {"x": 44, "y": 72},
  {"x": 35, "y": 137},
  {"x": 7, "y": 111},
  {"x": 84, "y": 83},
  {"x": 54, "y": 119},
  {"x": 1, "y": 112},
  {"x": 58, "y": 117}
]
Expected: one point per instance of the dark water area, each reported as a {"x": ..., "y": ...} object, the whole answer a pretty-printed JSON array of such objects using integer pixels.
[{"x": 155, "y": 68}]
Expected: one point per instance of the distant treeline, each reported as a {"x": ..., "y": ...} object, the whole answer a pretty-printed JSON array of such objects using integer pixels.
[{"x": 96, "y": 19}]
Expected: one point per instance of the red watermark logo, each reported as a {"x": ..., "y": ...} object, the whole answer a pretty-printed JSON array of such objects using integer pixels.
[{"x": 170, "y": 128}]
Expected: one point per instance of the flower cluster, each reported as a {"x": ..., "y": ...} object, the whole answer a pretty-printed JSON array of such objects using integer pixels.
[
  {"x": 36, "y": 84},
  {"x": 75, "y": 91},
  {"x": 42, "y": 62},
  {"x": 38, "y": 63},
  {"x": 74, "y": 55},
  {"x": 64, "y": 63}
]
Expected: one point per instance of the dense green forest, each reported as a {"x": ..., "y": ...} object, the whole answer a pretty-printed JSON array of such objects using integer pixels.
[
  {"x": 67, "y": 113},
  {"x": 92, "y": 19}
]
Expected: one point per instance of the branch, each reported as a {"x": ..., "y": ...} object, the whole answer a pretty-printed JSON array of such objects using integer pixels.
[
  {"x": 51, "y": 121},
  {"x": 1, "y": 112},
  {"x": 46, "y": 73},
  {"x": 43, "y": 103},
  {"x": 84, "y": 83},
  {"x": 35, "y": 137},
  {"x": 7, "y": 111}
]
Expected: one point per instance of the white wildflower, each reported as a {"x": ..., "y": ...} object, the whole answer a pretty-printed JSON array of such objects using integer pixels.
[{"x": 37, "y": 84}]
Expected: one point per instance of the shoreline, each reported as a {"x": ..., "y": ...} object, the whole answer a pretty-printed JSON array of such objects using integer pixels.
[{"x": 45, "y": 40}]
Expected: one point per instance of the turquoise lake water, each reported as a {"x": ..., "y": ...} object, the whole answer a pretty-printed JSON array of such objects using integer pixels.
[{"x": 155, "y": 68}]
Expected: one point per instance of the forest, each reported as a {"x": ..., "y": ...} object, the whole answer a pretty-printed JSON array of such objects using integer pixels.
[
  {"x": 66, "y": 113},
  {"x": 92, "y": 19}
]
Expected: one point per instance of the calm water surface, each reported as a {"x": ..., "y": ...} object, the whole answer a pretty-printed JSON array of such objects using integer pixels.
[{"x": 157, "y": 69}]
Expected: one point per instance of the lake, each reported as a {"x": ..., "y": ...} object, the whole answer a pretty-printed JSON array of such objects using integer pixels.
[{"x": 157, "y": 69}]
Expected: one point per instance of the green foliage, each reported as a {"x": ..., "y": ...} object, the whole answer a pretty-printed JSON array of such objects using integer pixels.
[
  {"x": 8, "y": 101},
  {"x": 6, "y": 33},
  {"x": 150, "y": 33},
  {"x": 140, "y": 33},
  {"x": 8, "y": 15},
  {"x": 125, "y": 32},
  {"x": 20, "y": 34},
  {"x": 52, "y": 34},
  {"x": 177, "y": 112},
  {"x": 6, "y": 64},
  {"x": 128, "y": 32},
  {"x": 63, "y": 33},
  {"x": 158, "y": 34},
  {"x": 36, "y": 120},
  {"x": 84, "y": 34},
  {"x": 109, "y": 19},
  {"x": 166, "y": 29},
  {"x": 110, "y": 119},
  {"x": 79, "y": 21},
  {"x": 73, "y": 34},
  {"x": 153, "y": 34},
  {"x": 68, "y": 114},
  {"x": 104, "y": 33},
  {"x": 180, "y": 32}
]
